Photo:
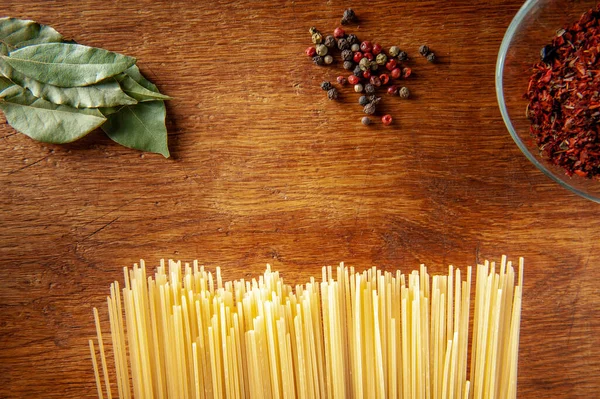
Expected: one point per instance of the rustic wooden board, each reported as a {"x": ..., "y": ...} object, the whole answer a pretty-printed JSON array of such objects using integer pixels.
[{"x": 266, "y": 169}]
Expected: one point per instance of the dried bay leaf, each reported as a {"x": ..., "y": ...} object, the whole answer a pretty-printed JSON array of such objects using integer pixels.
[
  {"x": 16, "y": 33},
  {"x": 67, "y": 64},
  {"x": 137, "y": 91},
  {"x": 50, "y": 123},
  {"x": 140, "y": 126}
]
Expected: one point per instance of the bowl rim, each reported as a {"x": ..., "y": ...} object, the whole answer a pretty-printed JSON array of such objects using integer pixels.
[{"x": 504, "y": 46}]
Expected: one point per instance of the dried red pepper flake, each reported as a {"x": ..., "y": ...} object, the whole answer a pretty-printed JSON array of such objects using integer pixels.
[{"x": 564, "y": 98}]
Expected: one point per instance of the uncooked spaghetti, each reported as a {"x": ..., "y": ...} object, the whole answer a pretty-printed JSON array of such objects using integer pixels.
[{"x": 370, "y": 334}]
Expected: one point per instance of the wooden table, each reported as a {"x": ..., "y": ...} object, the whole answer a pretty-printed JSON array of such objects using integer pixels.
[{"x": 266, "y": 170}]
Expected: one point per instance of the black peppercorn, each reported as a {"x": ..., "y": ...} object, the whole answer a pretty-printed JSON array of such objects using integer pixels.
[
  {"x": 369, "y": 109},
  {"x": 349, "y": 16},
  {"x": 343, "y": 44},
  {"x": 318, "y": 60},
  {"x": 357, "y": 71},
  {"x": 329, "y": 41},
  {"x": 326, "y": 86},
  {"x": 348, "y": 65},
  {"x": 347, "y": 55},
  {"x": 332, "y": 94},
  {"x": 424, "y": 50},
  {"x": 363, "y": 100},
  {"x": 365, "y": 120},
  {"x": 352, "y": 39},
  {"x": 402, "y": 56},
  {"x": 431, "y": 57},
  {"x": 369, "y": 88}
]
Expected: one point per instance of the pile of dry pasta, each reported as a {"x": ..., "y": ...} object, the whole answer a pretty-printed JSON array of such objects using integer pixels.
[{"x": 184, "y": 333}]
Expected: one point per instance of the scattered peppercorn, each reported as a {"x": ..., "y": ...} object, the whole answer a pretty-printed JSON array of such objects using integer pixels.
[
  {"x": 404, "y": 92},
  {"x": 338, "y": 33},
  {"x": 353, "y": 79},
  {"x": 394, "y": 51},
  {"x": 370, "y": 88},
  {"x": 402, "y": 56},
  {"x": 392, "y": 90},
  {"x": 352, "y": 39},
  {"x": 386, "y": 119},
  {"x": 312, "y": 30},
  {"x": 357, "y": 56},
  {"x": 332, "y": 94},
  {"x": 366, "y": 46},
  {"x": 366, "y": 74},
  {"x": 355, "y": 46},
  {"x": 326, "y": 86},
  {"x": 368, "y": 56},
  {"x": 348, "y": 65},
  {"x": 365, "y": 120},
  {"x": 311, "y": 51},
  {"x": 328, "y": 59},
  {"x": 321, "y": 50},
  {"x": 357, "y": 71},
  {"x": 406, "y": 72},
  {"x": 424, "y": 50},
  {"x": 377, "y": 48},
  {"x": 364, "y": 64},
  {"x": 358, "y": 88},
  {"x": 317, "y": 38},
  {"x": 330, "y": 41},
  {"x": 342, "y": 80},
  {"x": 374, "y": 66},
  {"x": 391, "y": 64},
  {"x": 347, "y": 55},
  {"x": 385, "y": 78},
  {"x": 369, "y": 109},
  {"x": 348, "y": 16},
  {"x": 431, "y": 57},
  {"x": 381, "y": 59},
  {"x": 375, "y": 81},
  {"x": 374, "y": 99},
  {"x": 318, "y": 60},
  {"x": 363, "y": 100},
  {"x": 396, "y": 72}
]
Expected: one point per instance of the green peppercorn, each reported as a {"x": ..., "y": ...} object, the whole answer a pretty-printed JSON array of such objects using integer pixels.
[
  {"x": 365, "y": 120},
  {"x": 321, "y": 50},
  {"x": 369, "y": 109},
  {"x": 329, "y": 41},
  {"x": 352, "y": 39},
  {"x": 328, "y": 59},
  {"x": 348, "y": 65},
  {"x": 363, "y": 100},
  {"x": 374, "y": 66},
  {"x": 364, "y": 64},
  {"x": 404, "y": 92},
  {"x": 317, "y": 38},
  {"x": 369, "y": 88},
  {"x": 394, "y": 51},
  {"x": 332, "y": 94},
  {"x": 326, "y": 86},
  {"x": 431, "y": 57},
  {"x": 402, "y": 56},
  {"x": 343, "y": 44},
  {"x": 347, "y": 55},
  {"x": 381, "y": 59},
  {"x": 424, "y": 50},
  {"x": 318, "y": 60},
  {"x": 355, "y": 47}
]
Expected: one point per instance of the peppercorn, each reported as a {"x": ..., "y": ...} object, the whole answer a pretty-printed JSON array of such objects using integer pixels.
[
  {"x": 366, "y": 74},
  {"x": 424, "y": 50},
  {"x": 396, "y": 72},
  {"x": 363, "y": 100},
  {"x": 357, "y": 71},
  {"x": 366, "y": 46},
  {"x": 386, "y": 119},
  {"x": 329, "y": 41},
  {"x": 342, "y": 80},
  {"x": 326, "y": 86},
  {"x": 369, "y": 109},
  {"x": 385, "y": 78},
  {"x": 391, "y": 64},
  {"x": 312, "y": 30},
  {"x": 374, "y": 99},
  {"x": 347, "y": 55},
  {"x": 406, "y": 72},
  {"x": 357, "y": 56},
  {"x": 431, "y": 57},
  {"x": 311, "y": 51},
  {"x": 369, "y": 56},
  {"x": 328, "y": 59},
  {"x": 338, "y": 33},
  {"x": 352, "y": 39},
  {"x": 374, "y": 66},
  {"x": 394, "y": 51},
  {"x": 365, "y": 120},
  {"x": 318, "y": 60},
  {"x": 348, "y": 65},
  {"x": 381, "y": 59},
  {"x": 392, "y": 90},
  {"x": 348, "y": 16},
  {"x": 358, "y": 88},
  {"x": 375, "y": 81},
  {"x": 343, "y": 44},
  {"x": 317, "y": 38},
  {"x": 353, "y": 79},
  {"x": 321, "y": 50},
  {"x": 402, "y": 56},
  {"x": 369, "y": 88},
  {"x": 332, "y": 94},
  {"x": 364, "y": 64},
  {"x": 355, "y": 47},
  {"x": 404, "y": 92}
]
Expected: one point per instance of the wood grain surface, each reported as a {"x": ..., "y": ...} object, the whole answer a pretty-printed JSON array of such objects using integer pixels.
[{"x": 265, "y": 169}]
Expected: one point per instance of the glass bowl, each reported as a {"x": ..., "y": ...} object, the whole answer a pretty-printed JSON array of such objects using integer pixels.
[{"x": 534, "y": 26}]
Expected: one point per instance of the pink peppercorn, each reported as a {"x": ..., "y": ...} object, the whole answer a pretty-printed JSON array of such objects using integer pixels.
[
  {"x": 367, "y": 74},
  {"x": 392, "y": 90},
  {"x": 338, "y": 33},
  {"x": 391, "y": 64},
  {"x": 311, "y": 51},
  {"x": 386, "y": 119},
  {"x": 375, "y": 81},
  {"x": 353, "y": 79},
  {"x": 366, "y": 46},
  {"x": 385, "y": 78},
  {"x": 396, "y": 72},
  {"x": 342, "y": 80},
  {"x": 406, "y": 72},
  {"x": 377, "y": 48},
  {"x": 358, "y": 56},
  {"x": 368, "y": 56}
]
